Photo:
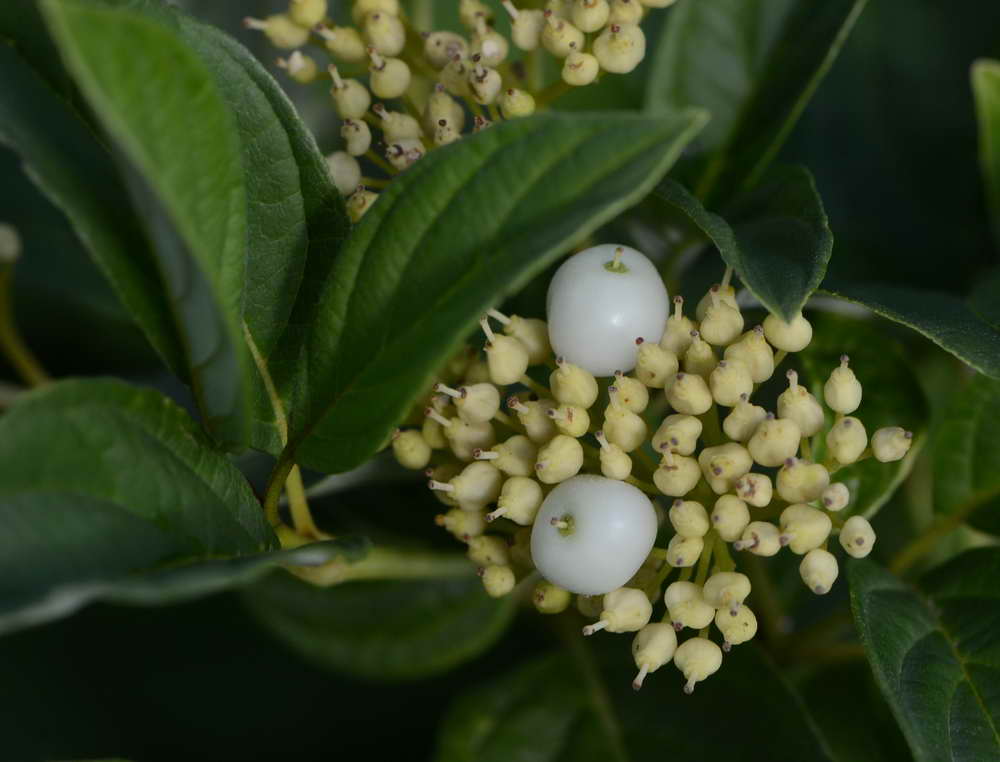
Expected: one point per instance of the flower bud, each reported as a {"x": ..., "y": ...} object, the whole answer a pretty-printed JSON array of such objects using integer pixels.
[
  {"x": 846, "y": 440},
  {"x": 397, "y": 126},
  {"x": 677, "y": 475},
  {"x": 534, "y": 417},
  {"x": 677, "y": 334},
  {"x": 471, "y": 12},
  {"x": 570, "y": 420},
  {"x": 307, "y": 13},
  {"x": 491, "y": 46},
  {"x": 403, "y": 153},
  {"x": 621, "y": 426},
  {"x": 515, "y": 457},
  {"x": 857, "y": 537},
  {"x": 433, "y": 434},
  {"x": 386, "y": 33},
  {"x": 697, "y": 659},
  {"x": 280, "y": 30},
  {"x": 723, "y": 465},
  {"x": 360, "y": 202},
  {"x": 803, "y": 528},
  {"x": 615, "y": 462},
  {"x": 678, "y": 433},
  {"x": 516, "y": 103},
  {"x": 654, "y": 364},
  {"x": 755, "y": 489},
  {"x": 572, "y": 385},
  {"x": 506, "y": 356},
  {"x": 441, "y": 47},
  {"x": 891, "y": 443},
  {"x": 684, "y": 551},
  {"x": 454, "y": 77},
  {"x": 301, "y": 68},
  {"x": 788, "y": 337},
  {"x": 475, "y": 403},
  {"x": 485, "y": 84},
  {"x": 743, "y": 420},
  {"x": 625, "y": 12},
  {"x": 498, "y": 580},
  {"x": 362, "y": 8},
  {"x": 625, "y": 610},
  {"x": 477, "y": 484},
  {"x": 349, "y": 96},
  {"x": 688, "y": 393},
  {"x": 590, "y": 15},
  {"x": 580, "y": 69},
  {"x": 774, "y": 441},
  {"x": 689, "y": 518},
  {"x": 754, "y": 351},
  {"x": 525, "y": 26},
  {"x": 520, "y": 498},
  {"x": 410, "y": 449},
  {"x": 632, "y": 393},
  {"x": 343, "y": 43},
  {"x": 835, "y": 497},
  {"x": 842, "y": 390},
  {"x": 686, "y": 606},
  {"x": 760, "y": 538},
  {"x": 440, "y": 105},
  {"x": 550, "y": 599},
  {"x": 560, "y": 37},
  {"x": 463, "y": 437},
  {"x": 388, "y": 77},
  {"x": 558, "y": 460},
  {"x": 488, "y": 550},
  {"x": 561, "y": 8},
  {"x": 800, "y": 481},
  {"x": 464, "y": 525},
  {"x": 736, "y": 627},
  {"x": 344, "y": 171},
  {"x": 699, "y": 357},
  {"x": 653, "y": 646},
  {"x": 729, "y": 381},
  {"x": 358, "y": 137},
  {"x": 730, "y": 517},
  {"x": 726, "y": 590},
  {"x": 797, "y": 404},
  {"x": 819, "y": 570},
  {"x": 722, "y": 323},
  {"x": 445, "y": 473},
  {"x": 724, "y": 293},
  {"x": 531, "y": 332},
  {"x": 620, "y": 48}
]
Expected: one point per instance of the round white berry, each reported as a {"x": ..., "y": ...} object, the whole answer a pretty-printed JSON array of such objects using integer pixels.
[
  {"x": 592, "y": 534},
  {"x": 600, "y": 301}
]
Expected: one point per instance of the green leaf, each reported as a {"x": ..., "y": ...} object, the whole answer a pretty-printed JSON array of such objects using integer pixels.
[
  {"x": 967, "y": 456},
  {"x": 452, "y": 236},
  {"x": 584, "y": 708},
  {"x": 892, "y": 397},
  {"x": 986, "y": 89},
  {"x": 985, "y": 298},
  {"x": 754, "y": 64},
  {"x": 778, "y": 239},
  {"x": 944, "y": 319},
  {"x": 435, "y": 616},
  {"x": 935, "y": 653}
]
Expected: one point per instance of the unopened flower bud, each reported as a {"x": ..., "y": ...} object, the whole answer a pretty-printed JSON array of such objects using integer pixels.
[
  {"x": 729, "y": 381},
  {"x": 454, "y": 77},
  {"x": 580, "y": 69},
  {"x": 677, "y": 475},
  {"x": 615, "y": 462},
  {"x": 445, "y": 473},
  {"x": 489, "y": 45},
  {"x": 722, "y": 323},
  {"x": 788, "y": 337},
  {"x": 307, "y": 13},
  {"x": 534, "y": 417},
  {"x": 507, "y": 357},
  {"x": 475, "y": 403},
  {"x": 498, "y": 580},
  {"x": 516, "y": 103},
  {"x": 743, "y": 420},
  {"x": 857, "y": 537},
  {"x": 625, "y": 610},
  {"x": 343, "y": 42},
  {"x": 558, "y": 460},
  {"x": 842, "y": 390},
  {"x": 726, "y": 590},
  {"x": 440, "y": 105},
  {"x": 463, "y": 437},
  {"x": 719, "y": 292},
  {"x": 677, "y": 334},
  {"x": 570, "y": 419},
  {"x": 755, "y": 489},
  {"x": 441, "y": 47},
  {"x": 572, "y": 385},
  {"x": 388, "y": 77},
  {"x": 891, "y": 443},
  {"x": 684, "y": 551},
  {"x": 755, "y": 352},
  {"x": 470, "y": 12},
  {"x": 620, "y": 48},
  {"x": 678, "y": 433},
  {"x": 360, "y": 202},
  {"x": 686, "y": 606},
  {"x": 699, "y": 357},
  {"x": 485, "y": 84},
  {"x": 464, "y": 525},
  {"x": 631, "y": 393},
  {"x": 653, "y": 646},
  {"x": 358, "y": 137},
  {"x": 344, "y": 171},
  {"x": 515, "y": 457},
  {"x": 349, "y": 96},
  {"x": 589, "y": 15},
  {"x": 404, "y": 153},
  {"x": 800, "y": 481},
  {"x": 819, "y": 571},
  {"x": 737, "y": 626},
  {"x": 531, "y": 332},
  {"x": 410, "y": 449},
  {"x": 797, "y": 404},
  {"x": 397, "y": 126},
  {"x": 386, "y": 33},
  {"x": 300, "y": 67},
  {"x": 689, "y": 518},
  {"x": 280, "y": 30},
  {"x": 697, "y": 659},
  {"x": 625, "y": 12},
  {"x": 362, "y": 8},
  {"x": 621, "y": 426},
  {"x": 560, "y": 37},
  {"x": 520, "y": 498},
  {"x": 654, "y": 364},
  {"x": 803, "y": 528},
  {"x": 847, "y": 439},
  {"x": 477, "y": 484},
  {"x": 488, "y": 550},
  {"x": 550, "y": 599},
  {"x": 433, "y": 434},
  {"x": 774, "y": 441},
  {"x": 688, "y": 393},
  {"x": 761, "y": 538},
  {"x": 730, "y": 517},
  {"x": 525, "y": 26},
  {"x": 723, "y": 465},
  {"x": 445, "y": 133},
  {"x": 835, "y": 497}
]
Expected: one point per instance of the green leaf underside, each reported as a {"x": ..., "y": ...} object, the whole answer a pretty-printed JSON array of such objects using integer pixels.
[
  {"x": 936, "y": 653},
  {"x": 384, "y": 629},
  {"x": 891, "y": 397},
  {"x": 967, "y": 455},
  {"x": 558, "y": 709},
  {"x": 449, "y": 239},
  {"x": 754, "y": 64},
  {"x": 986, "y": 90},
  {"x": 944, "y": 319},
  {"x": 777, "y": 238}
]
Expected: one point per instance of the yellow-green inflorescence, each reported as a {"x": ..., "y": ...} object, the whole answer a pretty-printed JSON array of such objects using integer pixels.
[{"x": 442, "y": 84}]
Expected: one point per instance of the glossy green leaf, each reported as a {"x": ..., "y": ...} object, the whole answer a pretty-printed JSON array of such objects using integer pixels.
[
  {"x": 754, "y": 64},
  {"x": 892, "y": 397},
  {"x": 944, "y": 319},
  {"x": 986, "y": 89},
  {"x": 777, "y": 237},
  {"x": 967, "y": 455},
  {"x": 985, "y": 298},
  {"x": 581, "y": 707},
  {"x": 434, "y": 617},
  {"x": 935, "y": 652},
  {"x": 450, "y": 238}
]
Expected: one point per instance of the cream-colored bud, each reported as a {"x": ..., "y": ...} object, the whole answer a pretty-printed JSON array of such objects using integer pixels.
[
  {"x": 615, "y": 462},
  {"x": 697, "y": 659},
  {"x": 797, "y": 404},
  {"x": 404, "y": 153},
  {"x": 620, "y": 48},
  {"x": 729, "y": 381},
  {"x": 699, "y": 357},
  {"x": 485, "y": 84},
  {"x": 471, "y": 12},
  {"x": 506, "y": 356},
  {"x": 625, "y": 12},
  {"x": 677, "y": 475},
  {"x": 558, "y": 460},
  {"x": 533, "y": 415},
  {"x": 433, "y": 434},
  {"x": 280, "y": 30},
  {"x": 463, "y": 437},
  {"x": 684, "y": 551},
  {"x": 723, "y": 465},
  {"x": 572, "y": 385},
  {"x": 625, "y": 610},
  {"x": 475, "y": 403},
  {"x": 590, "y": 15},
  {"x": 349, "y": 96},
  {"x": 489, "y": 45},
  {"x": 359, "y": 202},
  {"x": 570, "y": 420},
  {"x": 753, "y": 350},
  {"x": 300, "y": 67},
  {"x": 842, "y": 390},
  {"x": 724, "y": 293},
  {"x": 362, "y": 8},
  {"x": 736, "y": 627},
  {"x": 774, "y": 441},
  {"x": 307, "y": 13},
  {"x": 621, "y": 426},
  {"x": 515, "y": 103},
  {"x": 835, "y": 497},
  {"x": 730, "y": 517},
  {"x": 755, "y": 489},
  {"x": 580, "y": 69},
  {"x": 761, "y": 538},
  {"x": 343, "y": 43},
  {"x": 344, "y": 171},
  {"x": 388, "y": 77},
  {"x": 800, "y": 481},
  {"x": 847, "y": 439},
  {"x": 488, "y": 550},
  {"x": 560, "y": 37},
  {"x": 677, "y": 333},
  {"x": 689, "y": 518},
  {"x": 358, "y": 137},
  {"x": 464, "y": 525},
  {"x": 445, "y": 473},
  {"x": 804, "y": 528},
  {"x": 561, "y": 8},
  {"x": 386, "y": 33},
  {"x": 743, "y": 420},
  {"x": 857, "y": 537},
  {"x": 515, "y": 457},
  {"x": 531, "y": 332},
  {"x": 788, "y": 337},
  {"x": 722, "y": 323},
  {"x": 678, "y": 433},
  {"x": 653, "y": 646},
  {"x": 410, "y": 449},
  {"x": 686, "y": 606},
  {"x": 632, "y": 393},
  {"x": 726, "y": 590},
  {"x": 550, "y": 599},
  {"x": 445, "y": 133},
  {"x": 654, "y": 364},
  {"x": 454, "y": 77},
  {"x": 520, "y": 498},
  {"x": 688, "y": 393},
  {"x": 819, "y": 570},
  {"x": 891, "y": 443},
  {"x": 525, "y": 26},
  {"x": 442, "y": 47},
  {"x": 440, "y": 105},
  {"x": 498, "y": 580},
  {"x": 478, "y": 484}
]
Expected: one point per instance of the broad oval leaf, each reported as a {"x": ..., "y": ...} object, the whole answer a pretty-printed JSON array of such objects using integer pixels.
[
  {"x": 777, "y": 237},
  {"x": 936, "y": 653},
  {"x": 398, "y": 629},
  {"x": 986, "y": 90},
  {"x": 754, "y": 64},
  {"x": 449, "y": 239}
]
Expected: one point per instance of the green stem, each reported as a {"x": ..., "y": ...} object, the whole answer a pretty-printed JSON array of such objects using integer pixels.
[
  {"x": 11, "y": 344},
  {"x": 706, "y": 558},
  {"x": 275, "y": 485}
]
